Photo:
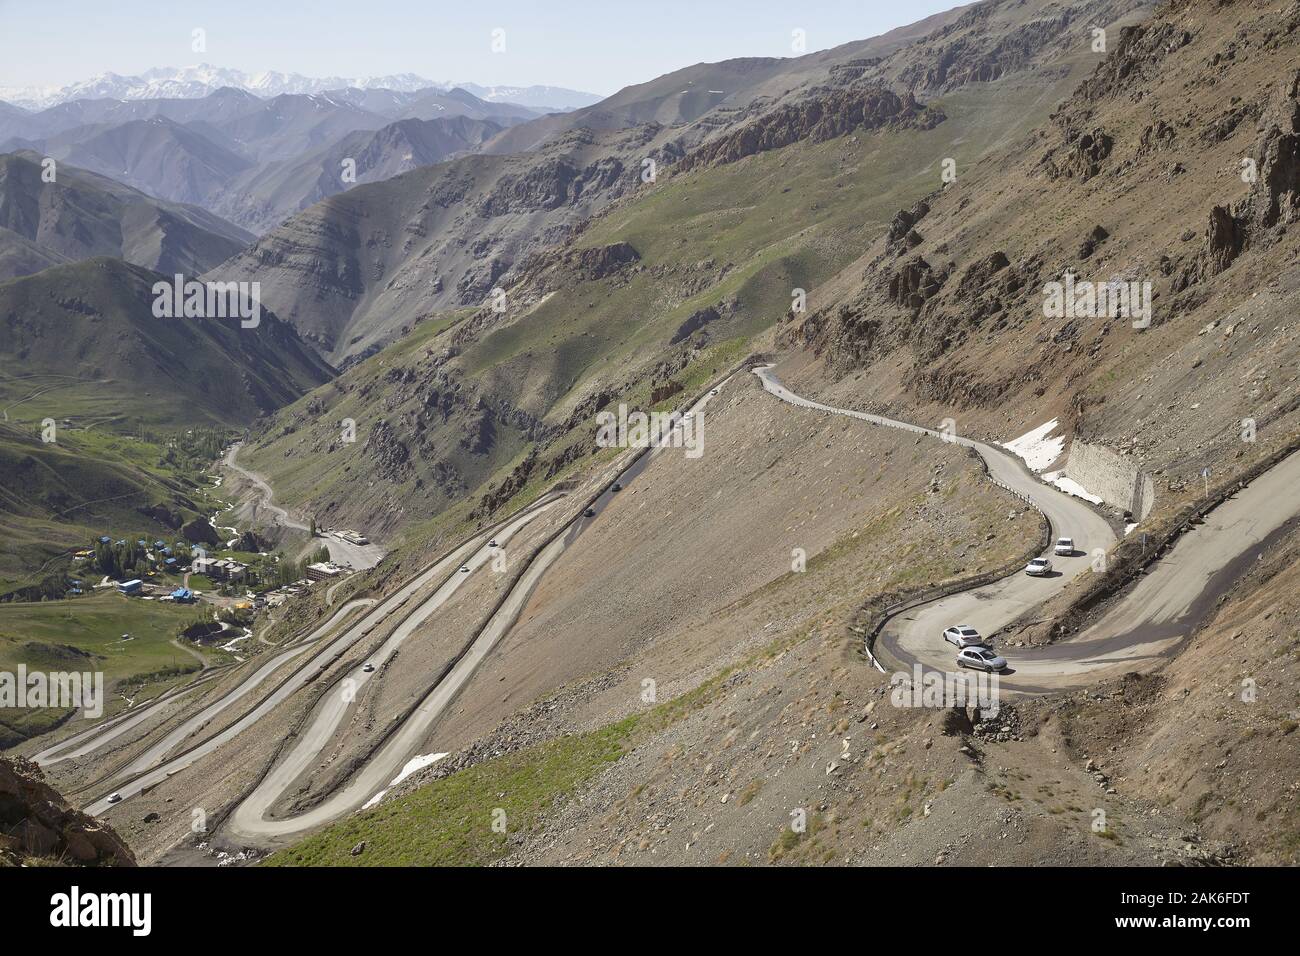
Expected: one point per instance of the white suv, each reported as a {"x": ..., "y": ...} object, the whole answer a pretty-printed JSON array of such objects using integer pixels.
[{"x": 1064, "y": 547}]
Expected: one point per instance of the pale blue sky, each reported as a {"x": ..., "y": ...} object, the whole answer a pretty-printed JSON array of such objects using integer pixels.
[{"x": 595, "y": 46}]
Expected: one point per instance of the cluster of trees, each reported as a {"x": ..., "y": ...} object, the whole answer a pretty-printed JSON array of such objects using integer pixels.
[
  {"x": 119, "y": 559},
  {"x": 192, "y": 450}
]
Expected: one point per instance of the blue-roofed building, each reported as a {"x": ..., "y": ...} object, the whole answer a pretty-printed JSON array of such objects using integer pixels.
[
  {"x": 130, "y": 587},
  {"x": 183, "y": 595}
]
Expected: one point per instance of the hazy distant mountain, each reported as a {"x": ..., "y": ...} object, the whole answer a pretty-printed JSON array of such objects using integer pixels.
[
  {"x": 218, "y": 106},
  {"x": 158, "y": 156},
  {"x": 266, "y": 195},
  {"x": 254, "y": 160},
  {"x": 193, "y": 82},
  {"x": 539, "y": 97},
  {"x": 81, "y": 215}
]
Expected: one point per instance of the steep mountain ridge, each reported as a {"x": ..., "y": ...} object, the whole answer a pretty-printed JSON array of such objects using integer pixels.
[{"x": 82, "y": 214}]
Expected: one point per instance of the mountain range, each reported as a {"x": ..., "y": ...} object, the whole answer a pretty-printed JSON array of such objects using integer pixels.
[
  {"x": 194, "y": 82},
  {"x": 255, "y": 161}
]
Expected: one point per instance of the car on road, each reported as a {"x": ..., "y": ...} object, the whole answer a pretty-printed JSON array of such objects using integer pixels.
[
  {"x": 617, "y": 487},
  {"x": 1039, "y": 567},
  {"x": 589, "y": 513},
  {"x": 963, "y": 635},
  {"x": 493, "y": 543},
  {"x": 1064, "y": 546},
  {"x": 114, "y": 797},
  {"x": 714, "y": 392},
  {"x": 982, "y": 659},
  {"x": 464, "y": 569},
  {"x": 368, "y": 668}
]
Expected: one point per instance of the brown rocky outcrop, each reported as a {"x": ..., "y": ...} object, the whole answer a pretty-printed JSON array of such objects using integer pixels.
[
  {"x": 824, "y": 114},
  {"x": 592, "y": 264},
  {"x": 913, "y": 283},
  {"x": 694, "y": 322},
  {"x": 1080, "y": 156},
  {"x": 391, "y": 456},
  {"x": 36, "y": 824},
  {"x": 904, "y": 222}
]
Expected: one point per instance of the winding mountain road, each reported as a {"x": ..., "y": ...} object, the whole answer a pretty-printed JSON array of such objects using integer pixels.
[
  {"x": 1142, "y": 628},
  {"x": 1147, "y": 623},
  {"x": 251, "y": 821},
  {"x": 357, "y": 556}
]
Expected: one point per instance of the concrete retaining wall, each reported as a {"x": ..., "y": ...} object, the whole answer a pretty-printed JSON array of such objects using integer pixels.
[{"x": 1112, "y": 476}]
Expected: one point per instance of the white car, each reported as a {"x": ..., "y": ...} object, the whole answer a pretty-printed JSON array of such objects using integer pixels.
[
  {"x": 963, "y": 635},
  {"x": 464, "y": 569},
  {"x": 714, "y": 392},
  {"x": 982, "y": 659},
  {"x": 493, "y": 543},
  {"x": 114, "y": 797},
  {"x": 368, "y": 668},
  {"x": 1039, "y": 567},
  {"x": 1064, "y": 546}
]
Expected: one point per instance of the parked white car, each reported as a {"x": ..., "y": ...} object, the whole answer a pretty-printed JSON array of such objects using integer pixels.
[
  {"x": 1039, "y": 567},
  {"x": 963, "y": 635},
  {"x": 982, "y": 659},
  {"x": 1064, "y": 546}
]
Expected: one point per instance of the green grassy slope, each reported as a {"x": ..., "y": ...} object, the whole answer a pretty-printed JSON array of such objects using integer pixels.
[
  {"x": 86, "y": 635},
  {"x": 82, "y": 339}
]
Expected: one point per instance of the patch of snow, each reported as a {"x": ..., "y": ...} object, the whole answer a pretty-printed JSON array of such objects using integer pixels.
[
  {"x": 1070, "y": 486},
  {"x": 1036, "y": 447},
  {"x": 412, "y": 765},
  {"x": 1128, "y": 528}
]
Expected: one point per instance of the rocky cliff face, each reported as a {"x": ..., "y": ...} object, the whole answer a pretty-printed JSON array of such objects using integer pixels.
[
  {"x": 825, "y": 113},
  {"x": 38, "y": 827},
  {"x": 1193, "y": 113}
]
